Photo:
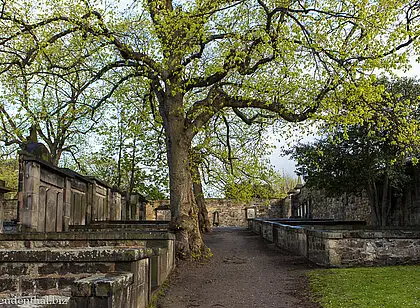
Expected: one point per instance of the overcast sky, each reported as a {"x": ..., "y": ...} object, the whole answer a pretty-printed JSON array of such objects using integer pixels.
[{"x": 285, "y": 164}]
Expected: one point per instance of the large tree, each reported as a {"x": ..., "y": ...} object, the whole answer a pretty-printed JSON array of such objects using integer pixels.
[{"x": 201, "y": 57}]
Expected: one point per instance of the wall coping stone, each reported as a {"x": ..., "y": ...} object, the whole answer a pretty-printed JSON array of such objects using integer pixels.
[
  {"x": 388, "y": 234},
  {"x": 85, "y": 254},
  {"x": 68, "y": 236},
  {"x": 367, "y": 233},
  {"x": 325, "y": 234},
  {"x": 101, "y": 285},
  {"x": 126, "y": 222},
  {"x": 296, "y": 228}
]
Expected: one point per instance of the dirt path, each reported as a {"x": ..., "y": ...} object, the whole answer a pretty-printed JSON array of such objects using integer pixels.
[{"x": 244, "y": 272}]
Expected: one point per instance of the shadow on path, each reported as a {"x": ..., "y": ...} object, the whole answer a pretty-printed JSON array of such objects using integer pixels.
[{"x": 244, "y": 272}]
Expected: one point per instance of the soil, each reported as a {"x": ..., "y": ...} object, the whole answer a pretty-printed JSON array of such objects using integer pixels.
[{"x": 245, "y": 271}]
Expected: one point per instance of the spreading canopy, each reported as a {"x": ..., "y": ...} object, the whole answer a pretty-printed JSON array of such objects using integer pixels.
[
  {"x": 281, "y": 56},
  {"x": 288, "y": 58}
]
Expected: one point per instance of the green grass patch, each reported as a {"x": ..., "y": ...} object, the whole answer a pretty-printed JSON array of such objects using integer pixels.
[{"x": 395, "y": 286}]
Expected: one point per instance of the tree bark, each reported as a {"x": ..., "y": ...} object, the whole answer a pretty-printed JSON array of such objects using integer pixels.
[
  {"x": 385, "y": 201},
  {"x": 373, "y": 197},
  {"x": 203, "y": 215},
  {"x": 184, "y": 211}
]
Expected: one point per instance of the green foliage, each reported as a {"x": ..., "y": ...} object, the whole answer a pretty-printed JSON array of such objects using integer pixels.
[
  {"x": 350, "y": 157},
  {"x": 232, "y": 157},
  {"x": 9, "y": 169},
  {"x": 289, "y": 60},
  {"x": 55, "y": 105},
  {"x": 130, "y": 150},
  {"x": 396, "y": 286},
  {"x": 270, "y": 185}
]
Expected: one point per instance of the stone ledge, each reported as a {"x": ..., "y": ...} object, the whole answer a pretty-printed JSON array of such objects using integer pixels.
[
  {"x": 82, "y": 235},
  {"x": 85, "y": 254},
  {"x": 102, "y": 285},
  {"x": 294, "y": 228},
  {"x": 324, "y": 234},
  {"x": 387, "y": 234}
]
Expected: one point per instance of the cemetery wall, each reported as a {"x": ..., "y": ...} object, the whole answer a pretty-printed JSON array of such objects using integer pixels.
[
  {"x": 224, "y": 212},
  {"x": 342, "y": 246}
]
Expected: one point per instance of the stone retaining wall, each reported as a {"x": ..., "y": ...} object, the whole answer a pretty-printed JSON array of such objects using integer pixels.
[{"x": 342, "y": 247}]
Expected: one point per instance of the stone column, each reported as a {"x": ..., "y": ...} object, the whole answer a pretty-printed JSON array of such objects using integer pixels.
[
  {"x": 89, "y": 203},
  {"x": 115, "y": 205},
  {"x": 108, "y": 204},
  {"x": 66, "y": 205},
  {"x": 31, "y": 181},
  {"x": 123, "y": 206}
]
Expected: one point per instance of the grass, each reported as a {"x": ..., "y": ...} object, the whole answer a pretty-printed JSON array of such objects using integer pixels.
[{"x": 395, "y": 286}]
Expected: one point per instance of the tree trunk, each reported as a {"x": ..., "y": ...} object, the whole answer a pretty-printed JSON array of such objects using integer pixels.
[
  {"x": 385, "y": 201},
  {"x": 203, "y": 215},
  {"x": 184, "y": 211},
  {"x": 373, "y": 198},
  {"x": 120, "y": 147},
  {"x": 133, "y": 162}
]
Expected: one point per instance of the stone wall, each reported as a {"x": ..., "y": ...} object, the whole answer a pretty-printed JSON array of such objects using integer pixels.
[
  {"x": 225, "y": 212},
  {"x": 89, "y": 277},
  {"x": 405, "y": 205},
  {"x": 158, "y": 210},
  {"x": 10, "y": 209},
  {"x": 342, "y": 247},
  {"x": 315, "y": 204},
  {"x": 3, "y": 191}
]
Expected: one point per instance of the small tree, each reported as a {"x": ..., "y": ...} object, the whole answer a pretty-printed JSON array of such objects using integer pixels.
[{"x": 54, "y": 110}]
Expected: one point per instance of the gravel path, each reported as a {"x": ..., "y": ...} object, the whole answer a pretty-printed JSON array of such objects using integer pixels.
[{"x": 244, "y": 272}]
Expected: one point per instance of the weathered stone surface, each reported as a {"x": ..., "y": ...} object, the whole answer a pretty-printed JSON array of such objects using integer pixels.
[
  {"x": 100, "y": 254},
  {"x": 14, "y": 269},
  {"x": 72, "y": 236},
  {"x": 111, "y": 283},
  {"x": 315, "y": 204},
  {"x": 75, "y": 268},
  {"x": 32, "y": 285},
  {"x": 230, "y": 212},
  {"x": 8, "y": 284},
  {"x": 343, "y": 248}
]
